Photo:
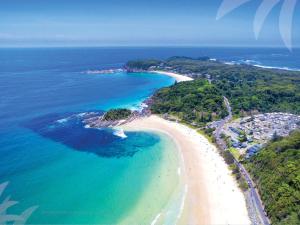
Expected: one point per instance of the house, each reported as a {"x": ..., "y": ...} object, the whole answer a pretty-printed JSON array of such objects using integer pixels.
[
  {"x": 253, "y": 149},
  {"x": 236, "y": 144},
  {"x": 235, "y": 130},
  {"x": 243, "y": 145}
]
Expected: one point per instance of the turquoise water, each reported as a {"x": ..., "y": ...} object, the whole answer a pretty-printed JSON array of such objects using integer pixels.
[
  {"x": 83, "y": 176},
  {"x": 72, "y": 187},
  {"x": 73, "y": 174}
]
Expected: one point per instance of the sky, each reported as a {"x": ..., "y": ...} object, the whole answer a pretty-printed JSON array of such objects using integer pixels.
[{"x": 136, "y": 23}]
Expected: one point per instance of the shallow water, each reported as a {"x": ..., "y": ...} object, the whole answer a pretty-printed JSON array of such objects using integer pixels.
[
  {"x": 77, "y": 175},
  {"x": 73, "y": 174}
]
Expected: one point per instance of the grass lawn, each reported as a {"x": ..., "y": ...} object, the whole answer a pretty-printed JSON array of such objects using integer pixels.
[{"x": 236, "y": 154}]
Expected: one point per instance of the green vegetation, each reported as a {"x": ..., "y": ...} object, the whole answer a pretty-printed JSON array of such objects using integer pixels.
[
  {"x": 142, "y": 64},
  {"x": 248, "y": 88},
  {"x": 209, "y": 131},
  {"x": 227, "y": 140},
  {"x": 276, "y": 170},
  {"x": 195, "y": 102},
  {"x": 242, "y": 137},
  {"x": 117, "y": 114},
  {"x": 252, "y": 89},
  {"x": 236, "y": 154},
  {"x": 208, "y": 135},
  {"x": 229, "y": 159}
]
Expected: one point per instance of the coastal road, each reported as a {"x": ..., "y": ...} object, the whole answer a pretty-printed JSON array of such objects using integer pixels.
[
  {"x": 254, "y": 195},
  {"x": 255, "y": 199},
  {"x": 221, "y": 143}
]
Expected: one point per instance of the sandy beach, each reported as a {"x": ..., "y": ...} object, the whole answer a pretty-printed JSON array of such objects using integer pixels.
[
  {"x": 212, "y": 194},
  {"x": 178, "y": 77}
]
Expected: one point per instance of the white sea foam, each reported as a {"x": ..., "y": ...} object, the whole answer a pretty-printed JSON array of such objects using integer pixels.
[
  {"x": 138, "y": 107},
  {"x": 259, "y": 64},
  {"x": 174, "y": 213},
  {"x": 182, "y": 202},
  {"x": 64, "y": 120},
  {"x": 179, "y": 171},
  {"x": 230, "y": 63},
  {"x": 249, "y": 62},
  {"x": 275, "y": 67},
  {"x": 144, "y": 105},
  {"x": 134, "y": 108},
  {"x": 107, "y": 71},
  {"x": 120, "y": 133},
  {"x": 155, "y": 219},
  {"x": 82, "y": 114},
  {"x": 141, "y": 107}
]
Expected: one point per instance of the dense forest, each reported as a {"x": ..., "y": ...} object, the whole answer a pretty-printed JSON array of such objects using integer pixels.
[
  {"x": 276, "y": 170},
  {"x": 116, "y": 114},
  {"x": 196, "y": 102},
  {"x": 248, "y": 88}
]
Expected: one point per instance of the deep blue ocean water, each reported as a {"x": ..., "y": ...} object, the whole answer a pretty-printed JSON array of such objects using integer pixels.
[
  {"x": 60, "y": 59},
  {"x": 74, "y": 174},
  {"x": 48, "y": 156}
]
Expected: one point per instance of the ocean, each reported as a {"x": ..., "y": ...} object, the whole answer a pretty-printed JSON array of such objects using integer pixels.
[{"x": 77, "y": 175}]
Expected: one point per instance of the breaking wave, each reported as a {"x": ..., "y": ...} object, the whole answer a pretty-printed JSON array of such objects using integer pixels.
[{"x": 258, "y": 64}]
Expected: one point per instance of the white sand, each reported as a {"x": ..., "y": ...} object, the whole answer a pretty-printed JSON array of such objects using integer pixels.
[
  {"x": 213, "y": 196},
  {"x": 178, "y": 77}
]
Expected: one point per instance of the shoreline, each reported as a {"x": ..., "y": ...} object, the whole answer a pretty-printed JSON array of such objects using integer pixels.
[
  {"x": 176, "y": 76},
  {"x": 213, "y": 196}
]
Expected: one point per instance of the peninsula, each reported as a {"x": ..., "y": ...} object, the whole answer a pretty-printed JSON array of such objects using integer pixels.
[
  {"x": 213, "y": 95},
  {"x": 224, "y": 119},
  {"x": 210, "y": 187}
]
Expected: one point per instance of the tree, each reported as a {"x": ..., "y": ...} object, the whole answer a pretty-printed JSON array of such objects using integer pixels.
[{"x": 276, "y": 171}]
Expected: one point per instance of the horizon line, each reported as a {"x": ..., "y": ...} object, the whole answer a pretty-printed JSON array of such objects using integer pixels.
[{"x": 147, "y": 46}]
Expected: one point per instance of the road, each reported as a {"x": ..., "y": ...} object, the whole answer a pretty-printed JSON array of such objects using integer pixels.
[
  {"x": 221, "y": 143},
  {"x": 254, "y": 194},
  {"x": 257, "y": 203}
]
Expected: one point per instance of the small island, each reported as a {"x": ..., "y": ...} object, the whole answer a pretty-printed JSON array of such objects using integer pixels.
[
  {"x": 112, "y": 118},
  {"x": 117, "y": 114}
]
